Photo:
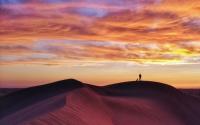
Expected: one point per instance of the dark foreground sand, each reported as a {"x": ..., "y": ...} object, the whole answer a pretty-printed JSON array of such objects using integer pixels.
[{"x": 70, "y": 102}]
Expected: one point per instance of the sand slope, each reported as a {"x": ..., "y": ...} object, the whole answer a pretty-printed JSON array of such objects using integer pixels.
[{"x": 70, "y": 102}]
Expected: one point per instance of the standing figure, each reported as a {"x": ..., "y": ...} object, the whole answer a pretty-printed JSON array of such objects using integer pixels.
[{"x": 140, "y": 77}]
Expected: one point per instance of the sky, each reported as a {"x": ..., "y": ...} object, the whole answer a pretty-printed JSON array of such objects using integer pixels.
[{"x": 99, "y": 41}]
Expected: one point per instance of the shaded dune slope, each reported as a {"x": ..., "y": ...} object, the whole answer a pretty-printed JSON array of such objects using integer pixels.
[
  {"x": 128, "y": 103},
  {"x": 26, "y": 97}
]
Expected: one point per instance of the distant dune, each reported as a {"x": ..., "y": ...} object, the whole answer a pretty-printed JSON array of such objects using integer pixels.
[
  {"x": 71, "y": 102},
  {"x": 5, "y": 91},
  {"x": 194, "y": 92}
]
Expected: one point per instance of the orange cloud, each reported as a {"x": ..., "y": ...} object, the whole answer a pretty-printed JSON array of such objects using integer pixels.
[{"x": 144, "y": 32}]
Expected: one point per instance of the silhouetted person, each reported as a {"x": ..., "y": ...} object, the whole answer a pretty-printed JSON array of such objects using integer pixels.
[{"x": 140, "y": 77}]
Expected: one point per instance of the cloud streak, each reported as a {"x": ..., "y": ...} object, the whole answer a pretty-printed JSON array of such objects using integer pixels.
[
  {"x": 141, "y": 31},
  {"x": 61, "y": 51}
]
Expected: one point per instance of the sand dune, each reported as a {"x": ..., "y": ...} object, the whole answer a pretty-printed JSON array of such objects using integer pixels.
[
  {"x": 5, "y": 91},
  {"x": 194, "y": 92},
  {"x": 71, "y": 102}
]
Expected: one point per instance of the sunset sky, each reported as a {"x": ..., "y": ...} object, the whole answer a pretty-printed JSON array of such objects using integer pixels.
[{"x": 99, "y": 41}]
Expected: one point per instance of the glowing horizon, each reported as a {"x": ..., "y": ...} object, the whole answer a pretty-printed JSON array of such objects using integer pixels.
[{"x": 99, "y": 42}]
